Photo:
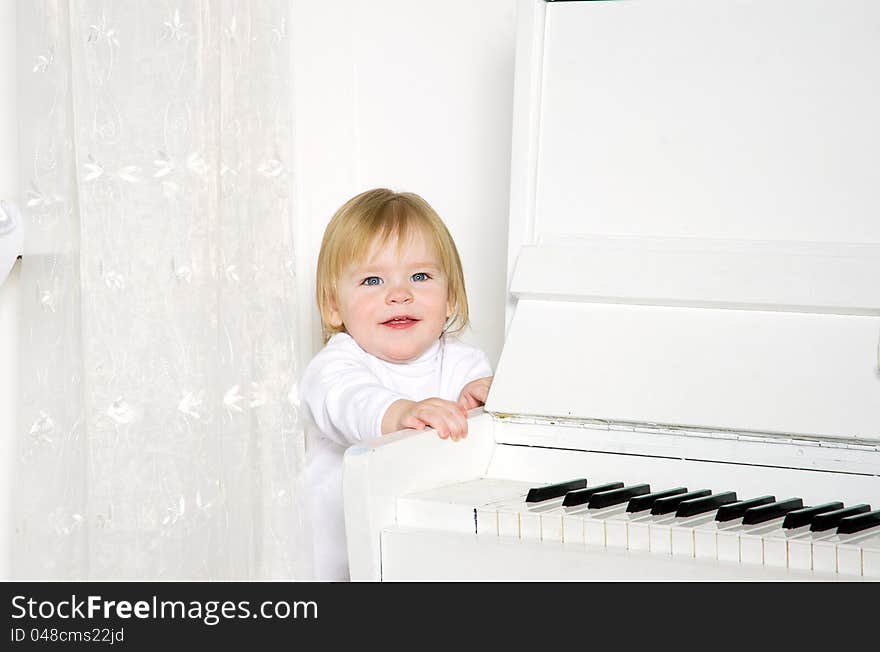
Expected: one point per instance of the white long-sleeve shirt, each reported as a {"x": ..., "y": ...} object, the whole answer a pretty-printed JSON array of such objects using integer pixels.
[{"x": 346, "y": 392}]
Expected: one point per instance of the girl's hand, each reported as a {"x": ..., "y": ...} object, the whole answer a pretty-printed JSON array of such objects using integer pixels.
[
  {"x": 475, "y": 393},
  {"x": 449, "y": 419}
]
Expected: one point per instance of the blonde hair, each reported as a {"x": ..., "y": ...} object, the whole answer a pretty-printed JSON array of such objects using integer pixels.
[{"x": 376, "y": 216}]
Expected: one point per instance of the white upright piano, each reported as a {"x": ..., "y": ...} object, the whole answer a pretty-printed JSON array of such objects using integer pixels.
[{"x": 690, "y": 381}]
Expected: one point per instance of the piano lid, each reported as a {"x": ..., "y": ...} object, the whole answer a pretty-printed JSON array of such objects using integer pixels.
[{"x": 695, "y": 216}]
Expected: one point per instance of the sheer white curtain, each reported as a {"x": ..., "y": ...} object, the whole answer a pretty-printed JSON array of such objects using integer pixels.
[{"x": 158, "y": 428}]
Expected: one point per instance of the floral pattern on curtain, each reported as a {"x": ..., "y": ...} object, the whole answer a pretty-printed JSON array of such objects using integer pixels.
[{"x": 159, "y": 431}]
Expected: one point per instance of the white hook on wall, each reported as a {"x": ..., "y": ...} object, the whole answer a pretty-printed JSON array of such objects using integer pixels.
[{"x": 11, "y": 237}]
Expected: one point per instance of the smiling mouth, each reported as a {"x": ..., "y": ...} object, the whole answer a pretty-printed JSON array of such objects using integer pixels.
[{"x": 400, "y": 321}]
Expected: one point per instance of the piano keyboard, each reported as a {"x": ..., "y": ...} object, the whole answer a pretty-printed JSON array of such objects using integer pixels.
[{"x": 830, "y": 539}]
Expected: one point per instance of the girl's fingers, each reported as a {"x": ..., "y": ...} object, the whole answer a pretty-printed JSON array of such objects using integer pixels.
[
  {"x": 459, "y": 430},
  {"x": 450, "y": 424},
  {"x": 467, "y": 401},
  {"x": 449, "y": 419}
]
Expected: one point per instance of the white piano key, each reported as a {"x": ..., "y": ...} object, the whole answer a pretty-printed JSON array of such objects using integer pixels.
[
  {"x": 841, "y": 554},
  {"x": 775, "y": 551},
  {"x": 551, "y": 526},
  {"x": 594, "y": 524},
  {"x": 751, "y": 549},
  {"x": 682, "y": 540},
  {"x": 871, "y": 558},
  {"x": 575, "y": 522},
  {"x": 508, "y": 519},
  {"x": 531, "y": 517},
  {"x": 639, "y": 534},
  {"x": 617, "y": 528},
  {"x": 706, "y": 543},
  {"x": 583, "y": 525},
  {"x": 573, "y": 526},
  {"x": 776, "y": 545},
  {"x": 615, "y": 532},
  {"x": 500, "y": 516},
  {"x": 727, "y": 543},
  {"x": 800, "y": 554},
  {"x": 706, "y": 538},
  {"x": 529, "y": 526},
  {"x": 683, "y": 535},
  {"x": 451, "y": 507},
  {"x": 508, "y": 524},
  {"x": 800, "y": 550},
  {"x": 594, "y": 531},
  {"x": 550, "y": 515},
  {"x": 850, "y": 551},
  {"x": 507, "y": 514},
  {"x": 825, "y": 556},
  {"x": 529, "y": 522},
  {"x": 849, "y": 559},
  {"x": 751, "y": 541},
  {"x": 661, "y": 535},
  {"x": 487, "y": 520},
  {"x": 673, "y": 535}
]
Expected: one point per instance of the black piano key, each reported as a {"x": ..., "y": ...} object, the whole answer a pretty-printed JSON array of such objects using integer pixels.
[
  {"x": 670, "y": 503},
  {"x": 617, "y": 496},
  {"x": 738, "y": 509},
  {"x": 830, "y": 520},
  {"x": 539, "y": 494},
  {"x": 639, "y": 503},
  {"x": 710, "y": 503},
  {"x": 768, "y": 512},
  {"x": 582, "y": 496},
  {"x": 853, "y": 524},
  {"x": 801, "y": 517}
]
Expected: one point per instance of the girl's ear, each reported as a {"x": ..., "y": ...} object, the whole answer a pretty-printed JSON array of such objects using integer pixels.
[{"x": 333, "y": 316}]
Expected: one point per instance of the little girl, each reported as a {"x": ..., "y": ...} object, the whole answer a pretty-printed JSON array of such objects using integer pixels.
[{"x": 391, "y": 294}]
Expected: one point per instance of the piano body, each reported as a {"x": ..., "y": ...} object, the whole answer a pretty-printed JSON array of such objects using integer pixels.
[{"x": 694, "y": 312}]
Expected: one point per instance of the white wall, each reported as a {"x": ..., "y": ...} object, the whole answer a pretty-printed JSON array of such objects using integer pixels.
[
  {"x": 414, "y": 96},
  {"x": 9, "y": 290}
]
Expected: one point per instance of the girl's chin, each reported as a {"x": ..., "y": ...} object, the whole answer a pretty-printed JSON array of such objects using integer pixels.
[
  {"x": 397, "y": 358},
  {"x": 401, "y": 354}
]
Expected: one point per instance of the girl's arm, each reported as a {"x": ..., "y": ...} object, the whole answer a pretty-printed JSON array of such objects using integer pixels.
[
  {"x": 348, "y": 404},
  {"x": 345, "y": 398}
]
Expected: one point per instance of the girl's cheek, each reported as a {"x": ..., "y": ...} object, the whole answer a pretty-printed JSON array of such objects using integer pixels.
[{"x": 366, "y": 301}]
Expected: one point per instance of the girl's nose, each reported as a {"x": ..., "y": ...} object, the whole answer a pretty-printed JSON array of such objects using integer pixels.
[{"x": 399, "y": 294}]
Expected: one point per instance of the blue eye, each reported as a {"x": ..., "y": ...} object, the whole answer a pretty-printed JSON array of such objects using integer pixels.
[
  {"x": 420, "y": 276},
  {"x": 372, "y": 280}
]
